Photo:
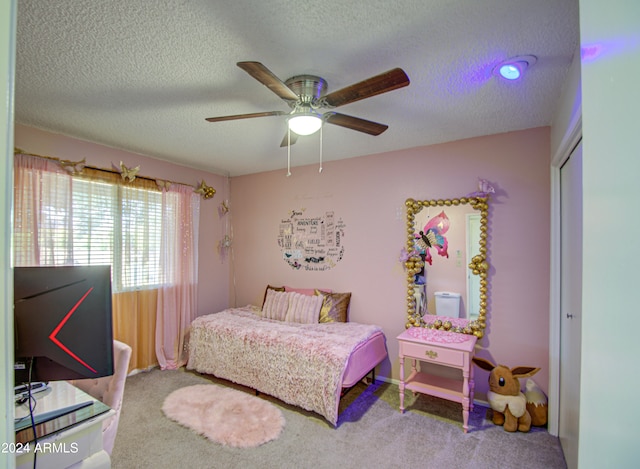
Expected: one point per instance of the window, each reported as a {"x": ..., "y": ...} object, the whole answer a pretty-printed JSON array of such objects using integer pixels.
[{"x": 61, "y": 219}]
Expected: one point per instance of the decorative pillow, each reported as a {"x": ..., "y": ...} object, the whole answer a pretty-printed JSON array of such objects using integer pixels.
[
  {"x": 304, "y": 309},
  {"x": 270, "y": 287},
  {"x": 335, "y": 306},
  {"x": 304, "y": 291},
  {"x": 275, "y": 305}
]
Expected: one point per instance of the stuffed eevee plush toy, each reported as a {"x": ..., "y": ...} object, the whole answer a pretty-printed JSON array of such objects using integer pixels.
[
  {"x": 537, "y": 403},
  {"x": 507, "y": 401}
]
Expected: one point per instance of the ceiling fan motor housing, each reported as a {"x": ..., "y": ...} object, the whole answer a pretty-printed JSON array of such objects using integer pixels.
[{"x": 308, "y": 87}]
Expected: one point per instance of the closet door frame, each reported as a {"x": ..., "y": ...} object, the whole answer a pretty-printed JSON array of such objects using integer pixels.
[{"x": 566, "y": 147}]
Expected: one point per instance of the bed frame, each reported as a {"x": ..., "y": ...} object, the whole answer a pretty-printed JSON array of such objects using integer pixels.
[{"x": 241, "y": 347}]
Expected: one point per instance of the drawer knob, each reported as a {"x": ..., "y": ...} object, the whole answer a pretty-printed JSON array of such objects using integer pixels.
[{"x": 431, "y": 354}]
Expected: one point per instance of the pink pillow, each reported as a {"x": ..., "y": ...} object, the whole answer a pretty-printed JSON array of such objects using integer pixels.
[
  {"x": 305, "y": 291},
  {"x": 303, "y": 309},
  {"x": 276, "y": 305}
]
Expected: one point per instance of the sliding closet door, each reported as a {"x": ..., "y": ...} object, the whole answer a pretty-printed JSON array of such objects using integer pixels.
[{"x": 570, "y": 304}]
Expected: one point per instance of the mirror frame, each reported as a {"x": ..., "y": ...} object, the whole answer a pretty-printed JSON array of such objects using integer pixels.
[{"x": 479, "y": 265}]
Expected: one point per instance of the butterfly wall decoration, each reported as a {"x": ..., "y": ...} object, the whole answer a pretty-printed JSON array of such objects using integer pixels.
[
  {"x": 128, "y": 174},
  {"x": 73, "y": 167},
  {"x": 163, "y": 185},
  {"x": 205, "y": 191},
  {"x": 484, "y": 189},
  {"x": 433, "y": 236}
]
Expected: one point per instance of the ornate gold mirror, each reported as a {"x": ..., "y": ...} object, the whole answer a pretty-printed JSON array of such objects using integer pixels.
[{"x": 447, "y": 247}]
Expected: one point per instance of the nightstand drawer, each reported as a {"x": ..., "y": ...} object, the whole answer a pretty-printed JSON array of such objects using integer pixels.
[{"x": 427, "y": 352}]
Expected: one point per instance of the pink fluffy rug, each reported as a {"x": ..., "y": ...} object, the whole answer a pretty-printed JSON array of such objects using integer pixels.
[{"x": 225, "y": 415}]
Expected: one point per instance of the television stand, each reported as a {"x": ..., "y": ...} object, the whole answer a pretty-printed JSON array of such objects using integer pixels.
[
  {"x": 68, "y": 425},
  {"x": 59, "y": 412}
]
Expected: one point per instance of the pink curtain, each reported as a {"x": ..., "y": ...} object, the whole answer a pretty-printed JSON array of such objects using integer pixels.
[
  {"x": 41, "y": 195},
  {"x": 149, "y": 320},
  {"x": 177, "y": 301}
]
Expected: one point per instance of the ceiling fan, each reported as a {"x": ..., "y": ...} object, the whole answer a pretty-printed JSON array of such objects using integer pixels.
[{"x": 305, "y": 95}]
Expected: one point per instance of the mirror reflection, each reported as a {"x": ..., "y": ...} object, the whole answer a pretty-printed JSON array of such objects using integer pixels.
[{"x": 446, "y": 263}]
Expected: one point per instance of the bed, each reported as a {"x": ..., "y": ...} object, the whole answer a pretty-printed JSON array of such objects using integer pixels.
[{"x": 305, "y": 363}]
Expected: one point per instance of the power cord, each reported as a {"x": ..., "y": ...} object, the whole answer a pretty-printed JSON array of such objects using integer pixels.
[{"x": 32, "y": 407}]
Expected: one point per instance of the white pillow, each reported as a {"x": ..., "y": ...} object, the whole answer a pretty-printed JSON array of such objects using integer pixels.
[
  {"x": 304, "y": 309},
  {"x": 276, "y": 305}
]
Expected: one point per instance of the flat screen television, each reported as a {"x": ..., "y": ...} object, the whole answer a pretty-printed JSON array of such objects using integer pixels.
[{"x": 63, "y": 323}]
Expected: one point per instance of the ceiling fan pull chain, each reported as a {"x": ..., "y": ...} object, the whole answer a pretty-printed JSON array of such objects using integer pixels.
[
  {"x": 288, "y": 152},
  {"x": 320, "y": 170}
]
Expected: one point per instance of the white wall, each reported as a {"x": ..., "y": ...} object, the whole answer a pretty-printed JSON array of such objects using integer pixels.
[
  {"x": 7, "y": 62},
  {"x": 609, "y": 415},
  {"x": 568, "y": 112}
]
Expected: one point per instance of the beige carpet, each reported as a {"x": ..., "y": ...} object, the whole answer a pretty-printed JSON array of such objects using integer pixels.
[{"x": 371, "y": 432}]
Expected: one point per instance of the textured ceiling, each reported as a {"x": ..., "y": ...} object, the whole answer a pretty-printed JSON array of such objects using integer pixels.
[{"x": 143, "y": 75}]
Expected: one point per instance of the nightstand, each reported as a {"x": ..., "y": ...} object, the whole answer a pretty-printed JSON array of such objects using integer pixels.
[{"x": 443, "y": 348}]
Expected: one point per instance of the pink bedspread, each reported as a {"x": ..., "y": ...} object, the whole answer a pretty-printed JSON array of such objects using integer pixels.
[{"x": 300, "y": 364}]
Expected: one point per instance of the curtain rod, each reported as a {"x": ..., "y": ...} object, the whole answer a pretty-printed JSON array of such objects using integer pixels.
[{"x": 127, "y": 173}]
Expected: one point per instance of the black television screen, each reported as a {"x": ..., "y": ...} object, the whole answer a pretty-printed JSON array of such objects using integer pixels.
[{"x": 63, "y": 323}]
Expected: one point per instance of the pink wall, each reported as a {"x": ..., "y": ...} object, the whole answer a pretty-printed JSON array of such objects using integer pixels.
[
  {"x": 212, "y": 269},
  {"x": 368, "y": 193}
]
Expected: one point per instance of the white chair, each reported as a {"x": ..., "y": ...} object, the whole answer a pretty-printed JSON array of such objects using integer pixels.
[{"x": 110, "y": 390}]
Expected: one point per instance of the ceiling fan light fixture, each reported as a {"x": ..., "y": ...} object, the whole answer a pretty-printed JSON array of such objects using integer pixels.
[{"x": 305, "y": 123}]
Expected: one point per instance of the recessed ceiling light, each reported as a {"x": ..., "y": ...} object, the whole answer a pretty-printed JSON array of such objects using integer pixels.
[{"x": 513, "y": 68}]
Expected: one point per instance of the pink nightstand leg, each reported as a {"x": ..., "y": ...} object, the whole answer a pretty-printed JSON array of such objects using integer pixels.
[
  {"x": 465, "y": 401},
  {"x": 401, "y": 386},
  {"x": 472, "y": 388}
]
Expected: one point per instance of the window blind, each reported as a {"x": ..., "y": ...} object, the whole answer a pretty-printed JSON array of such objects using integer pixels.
[{"x": 64, "y": 220}]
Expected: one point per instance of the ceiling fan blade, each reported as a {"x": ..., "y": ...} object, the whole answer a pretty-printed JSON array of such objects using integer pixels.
[
  {"x": 245, "y": 116},
  {"x": 285, "y": 140},
  {"x": 388, "y": 81},
  {"x": 355, "y": 123},
  {"x": 268, "y": 79}
]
